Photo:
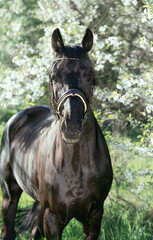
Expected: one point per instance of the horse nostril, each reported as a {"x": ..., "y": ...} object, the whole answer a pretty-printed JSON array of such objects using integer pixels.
[
  {"x": 63, "y": 127},
  {"x": 80, "y": 128}
]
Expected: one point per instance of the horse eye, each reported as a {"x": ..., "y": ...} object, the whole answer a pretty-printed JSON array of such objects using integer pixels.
[
  {"x": 56, "y": 77},
  {"x": 53, "y": 76}
]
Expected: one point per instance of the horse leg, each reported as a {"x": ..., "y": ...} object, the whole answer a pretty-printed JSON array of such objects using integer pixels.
[
  {"x": 53, "y": 228},
  {"x": 11, "y": 193},
  {"x": 91, "y": 228}
]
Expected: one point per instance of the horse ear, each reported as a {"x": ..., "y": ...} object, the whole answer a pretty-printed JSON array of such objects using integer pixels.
[
  {"x": 87, "y": 41},
  {"x": 57, "y": 41}
]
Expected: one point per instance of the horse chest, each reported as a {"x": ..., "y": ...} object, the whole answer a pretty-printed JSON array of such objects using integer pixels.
[
  {"x": 72, "y": 194},
  {"x": 70, "y": 187},
  {"x": 70, "y": 174}
]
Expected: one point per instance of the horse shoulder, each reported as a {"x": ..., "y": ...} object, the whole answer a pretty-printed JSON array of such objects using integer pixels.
[{"x": 16, "y": 123}]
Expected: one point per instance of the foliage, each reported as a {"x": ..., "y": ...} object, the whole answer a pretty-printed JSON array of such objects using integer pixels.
[{"x": 122, "y": 52}]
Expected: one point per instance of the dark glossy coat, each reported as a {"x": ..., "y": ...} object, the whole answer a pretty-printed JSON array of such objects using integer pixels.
[{"x": 63, "y": 164}]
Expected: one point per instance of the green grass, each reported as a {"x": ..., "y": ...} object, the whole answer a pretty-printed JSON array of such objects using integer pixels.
[{"x": 119, "y": 223}]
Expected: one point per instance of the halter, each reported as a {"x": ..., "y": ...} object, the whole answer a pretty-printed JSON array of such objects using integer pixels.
[{"x": 71, "y": 93}]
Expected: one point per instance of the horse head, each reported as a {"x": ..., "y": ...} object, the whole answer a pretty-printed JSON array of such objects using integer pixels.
[{"x": 72, "y": 80}]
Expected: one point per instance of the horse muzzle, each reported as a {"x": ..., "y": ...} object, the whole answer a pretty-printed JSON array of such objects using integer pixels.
[
  {"x": 71, "y": 140},
  {"x": 71, "y": 134}
]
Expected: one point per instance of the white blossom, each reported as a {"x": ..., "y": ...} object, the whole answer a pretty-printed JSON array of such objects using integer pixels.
[
  {"x": 128, "y": 2},
  {"x": 141, "y": 186},
  {"x": 129, "y": 175}
]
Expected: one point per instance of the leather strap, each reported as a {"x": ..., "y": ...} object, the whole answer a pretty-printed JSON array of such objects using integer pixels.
[{"x": 72, "y": 93}]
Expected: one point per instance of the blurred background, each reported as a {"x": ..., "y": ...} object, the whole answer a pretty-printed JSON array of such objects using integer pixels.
[{"x": 123, "y": 97}]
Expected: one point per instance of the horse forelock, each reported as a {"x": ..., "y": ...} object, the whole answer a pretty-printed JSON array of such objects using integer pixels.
[{"x": 69, "y": 55}]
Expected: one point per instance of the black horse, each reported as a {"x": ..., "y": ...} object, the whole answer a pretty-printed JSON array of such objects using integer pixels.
[{"x": 59, "y": 158}]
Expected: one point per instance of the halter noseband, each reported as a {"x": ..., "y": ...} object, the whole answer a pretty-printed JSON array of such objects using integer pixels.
[{"x": 70, "y": 93}]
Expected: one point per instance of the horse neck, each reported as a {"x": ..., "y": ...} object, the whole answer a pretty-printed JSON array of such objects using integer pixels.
[{"x": 73, "y": 154}]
